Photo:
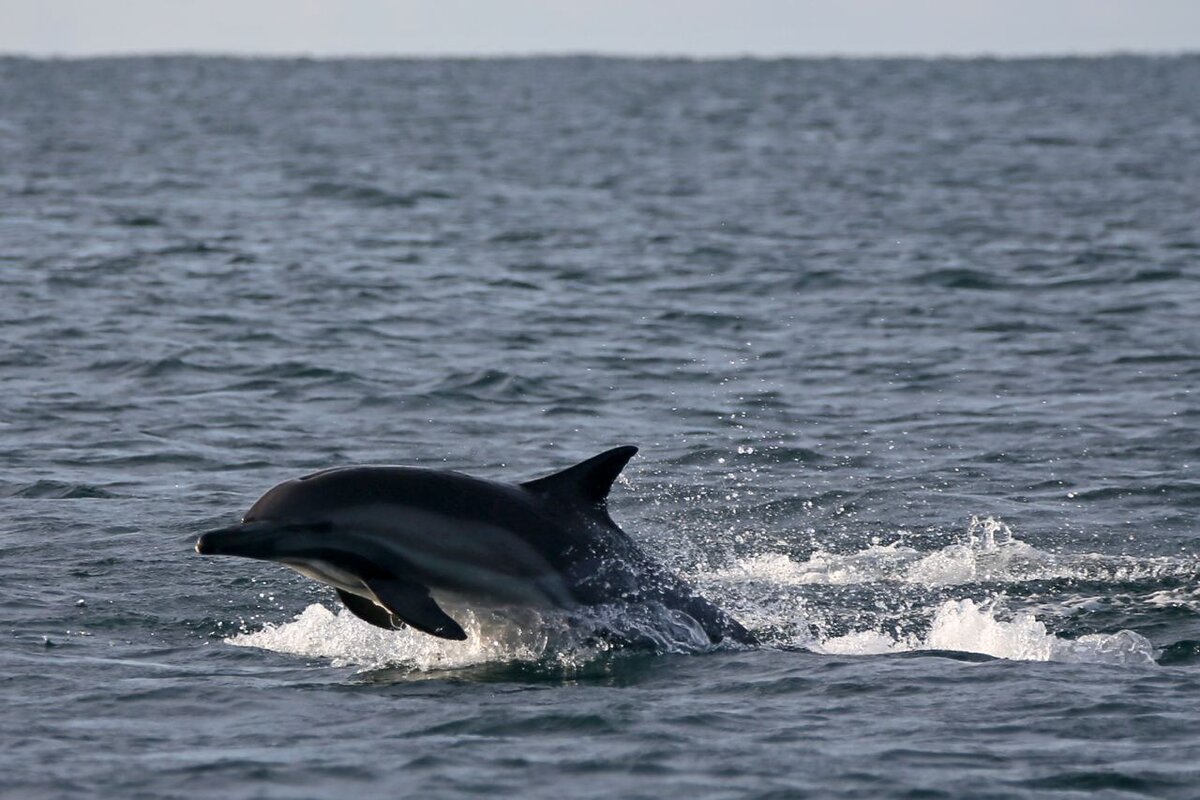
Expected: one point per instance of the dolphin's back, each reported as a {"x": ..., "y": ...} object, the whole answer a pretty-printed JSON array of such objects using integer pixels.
[
  {"x": 441, "y": 491},
  {"x": 563, "y": 517},
  {"x": 444, "y": 492}
]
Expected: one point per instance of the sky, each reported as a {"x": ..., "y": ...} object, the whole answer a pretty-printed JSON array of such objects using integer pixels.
[{"x": 701, "y": 28}]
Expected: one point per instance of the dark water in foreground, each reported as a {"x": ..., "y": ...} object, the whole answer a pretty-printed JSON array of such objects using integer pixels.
[{"x": 911, "y": 349}]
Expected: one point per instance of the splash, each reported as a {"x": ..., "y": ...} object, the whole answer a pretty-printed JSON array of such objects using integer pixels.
[
  {"x": 896, "y": 598},
  {"x": 564, "y": 640},
  {"x": 990, "y": 553},
  {"x": 788, "y": 602},
  {"x": 346, "y": 640},
  {"x": 968, "y": 627}
]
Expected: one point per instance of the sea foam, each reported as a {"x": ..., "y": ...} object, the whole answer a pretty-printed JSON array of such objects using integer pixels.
[{"x": 969, "y": 627}]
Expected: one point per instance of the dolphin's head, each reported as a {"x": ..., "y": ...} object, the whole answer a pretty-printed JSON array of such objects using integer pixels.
[
  {"x": 264, "y": 539},
  {"x": 276, "y": 524},
  {"x": 252, "y": 540}
]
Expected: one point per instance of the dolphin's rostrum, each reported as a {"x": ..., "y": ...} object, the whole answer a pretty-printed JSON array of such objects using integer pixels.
[{"x": 394, "y": 541}]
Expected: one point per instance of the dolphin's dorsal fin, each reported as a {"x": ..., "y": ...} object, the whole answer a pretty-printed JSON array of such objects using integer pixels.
[{"x": 588, "y": 481}]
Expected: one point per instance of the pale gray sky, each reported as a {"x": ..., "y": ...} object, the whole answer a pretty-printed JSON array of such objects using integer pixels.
[{"x": 644, "y": 27}]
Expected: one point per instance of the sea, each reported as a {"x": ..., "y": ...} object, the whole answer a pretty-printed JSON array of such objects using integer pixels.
[{"x": 911, "y": 349}]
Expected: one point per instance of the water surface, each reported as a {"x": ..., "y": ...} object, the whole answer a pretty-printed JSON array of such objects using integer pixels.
[{"x": 910, "y": 347}]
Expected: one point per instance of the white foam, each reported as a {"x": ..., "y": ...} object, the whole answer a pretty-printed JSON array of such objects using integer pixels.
[
  {"x": 989, "y": 553},
  {"x": 958, "y": 625},
  {"x": 1184, "y": 597},
  {"x": 967, "y": 627},
  {"x": 346, "y": 640}
]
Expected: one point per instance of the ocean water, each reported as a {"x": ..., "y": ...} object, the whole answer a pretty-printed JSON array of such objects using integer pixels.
[{"x": 911, "y": 349}]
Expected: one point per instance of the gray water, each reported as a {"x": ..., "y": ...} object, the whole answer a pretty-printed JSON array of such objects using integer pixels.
[{"x": 911, "y": 349}]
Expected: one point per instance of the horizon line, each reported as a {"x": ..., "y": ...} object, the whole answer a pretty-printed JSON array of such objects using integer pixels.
[{"x": 981, "y": 55}]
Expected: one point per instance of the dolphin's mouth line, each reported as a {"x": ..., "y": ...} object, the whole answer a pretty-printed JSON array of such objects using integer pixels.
[
  {"x": 245, "y": 534},
  {"x": 238, "y": 539}
]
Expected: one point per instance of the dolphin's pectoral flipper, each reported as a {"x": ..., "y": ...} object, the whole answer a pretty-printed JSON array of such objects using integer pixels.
[
  {"x": 411, "y": 603},
  {"x": 368, "y": 611}
]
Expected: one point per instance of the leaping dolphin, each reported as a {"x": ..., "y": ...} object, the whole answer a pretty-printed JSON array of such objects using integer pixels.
[{"x": 396, "y": 541}]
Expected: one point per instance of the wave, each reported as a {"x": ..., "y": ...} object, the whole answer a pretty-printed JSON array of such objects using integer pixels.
[
  {"x": 498, "y": 386},
  {"x": 990, "y": 553},
  {"x": 56, "y": 490},
  {"x": 372, "y": 196},
  {"x": 961, "y": 278},
  {"x": 965, "y": 626},
  {"x": 894, "y": 598}
]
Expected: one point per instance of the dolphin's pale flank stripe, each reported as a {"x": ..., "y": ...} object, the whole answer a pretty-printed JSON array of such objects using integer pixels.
[{"x": 392, "y": 540}]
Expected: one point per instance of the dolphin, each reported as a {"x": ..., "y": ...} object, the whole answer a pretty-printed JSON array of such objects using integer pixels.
[{"x": 398, "y": 543}]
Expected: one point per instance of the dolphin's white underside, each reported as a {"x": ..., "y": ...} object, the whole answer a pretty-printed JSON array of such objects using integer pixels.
[{"x": 336, "y": 577}]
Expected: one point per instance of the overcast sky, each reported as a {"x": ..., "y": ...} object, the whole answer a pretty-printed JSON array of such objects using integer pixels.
[{"x": 644, "y": 27}]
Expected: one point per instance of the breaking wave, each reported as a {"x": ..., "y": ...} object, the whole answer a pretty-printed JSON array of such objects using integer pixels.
[
  {"x": 967, "y": 627},
  {"x": 893, "y": 598},
  {"x": 990, "y": 553}
]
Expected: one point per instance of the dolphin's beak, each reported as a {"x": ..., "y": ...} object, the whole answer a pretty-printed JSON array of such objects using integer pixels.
[
  {"x": 258, "y": 539},
  {"x": 210, "y": 542}
]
